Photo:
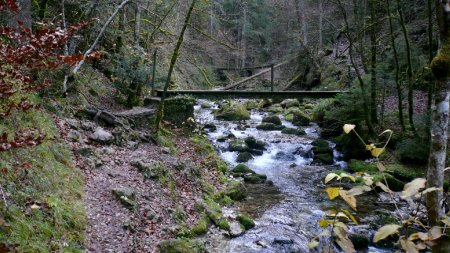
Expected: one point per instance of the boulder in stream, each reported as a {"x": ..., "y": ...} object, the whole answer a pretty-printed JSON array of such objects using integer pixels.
[
  {"x": 270, "y": 127},
  {"x": 288, "y": 103},
  {"x": 238, "y": 145},
  {"x": 252, "y": 143},
  {"x": 293, "y": 131},
  {"x": 244, "y": 157},
  {"x": 232, "y": 111},
  {"x": 274, "y": 119}
]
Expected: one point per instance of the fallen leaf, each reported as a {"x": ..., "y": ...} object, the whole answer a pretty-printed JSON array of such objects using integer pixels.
[
  {"x": 351, "y": 200},
  {"x": 413, "y": 187},
  {"x": 332, "y": 192},
  {"x": 358, "y": 190},
  {"x": 386, "y": 231}
]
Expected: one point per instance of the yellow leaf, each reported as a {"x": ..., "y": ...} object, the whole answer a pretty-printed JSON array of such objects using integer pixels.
[
  {"x": 383, "y": 187},
  {"x": 386, "y": 231},
  {"x": 413, "y": 187},
  {"x": 345, "y": 175},
  {"x": 313, "y": 244},
  {"x": 324, "y": 223},
  {"x": 343, "y": 241},
  {"x": 331, "y": 176},
  {"x": 435, "y": 233},
  {"x": 423, "y": 236},
  {"x": 408, "y": 246},
  {"x": 358, "y": 190},
  {"x": 351, "y": 216},
  {"x": 414, "y": 237},
  {"x": 333, "y": 192},
  {"x": 381, "y": 167},
  {"x": 368, "y": 180},
  {"x": 370, "y": 147},
  {"x": 348, "y": 128},
  {"x": 376, "y": 152},
  {"x": 351, "y": 200}
]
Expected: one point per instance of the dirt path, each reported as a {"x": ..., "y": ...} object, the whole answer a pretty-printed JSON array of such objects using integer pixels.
[{"x": 160, "y": 205}]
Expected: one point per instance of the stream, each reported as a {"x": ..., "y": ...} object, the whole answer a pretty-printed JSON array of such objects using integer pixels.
[{"x": 287, "y": 213}]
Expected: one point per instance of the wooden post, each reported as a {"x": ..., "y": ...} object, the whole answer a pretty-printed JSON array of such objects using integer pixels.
[
  {"x": 271, "y": 77},
  {"x": 154, "y": 71}
]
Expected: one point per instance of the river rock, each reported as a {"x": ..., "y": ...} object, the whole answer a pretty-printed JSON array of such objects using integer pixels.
[
  {"x": 282, "y": 156},
  {"x": 210, "y": 127},
  {"x": 325, "y": 159},
  {"x": 88, "y": 125},
  {"x": 303, "y": 152},
  {"x": 238, "y": 145},
  {"x": 246, "y": 221},
  {"x": 256, "y": 152},
  {"x": 244, "y": 157},
  {"x": 274, "y": 119},
  {"x": 265, "y": 103},
  {"x": 241, "y": 169},
  {"x": 300, "y": 119},
  {"x": 288, "y": 103},
  {"x": 102, "y": 136},
  {"x": 283, "y": 240},
  {"x": 235, "y": 229},
  {"x": 270, "y": 127},
  {"x": 255, "y": 178},
  {"x": 276, "y": 108},
  {"x": 252, "y": 143},
  {"x": 232, "y": 111},
  {"x": 293, "y": 131},
  {"x": 236, "y": 191}
]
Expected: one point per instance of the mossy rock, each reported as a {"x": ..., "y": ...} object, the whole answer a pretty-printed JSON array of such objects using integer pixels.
[
  {"x": 252, "y": 143},
  {"x": 255, "y": 178},
  {"x": 361, "y": 166},
  {"x": 252, "y": 104},
  {"x": 232, "y": 111},
  {"x": 180, "y": 246},
  {"x": 201, "y": 227},
  {"x": 270, "y": 127},
  {"x": 325, "y": 159},
  {"x": 246, "y": 221},
  {"x": 244, "y": 157},
  {"x": 293, "y": 131},
  {"x": 224, "y": 224},
  {"x": 126, "y": 196},
  {"x": 320, "y": 143},
  {"x": 288, "y": 103},
  {"x": 238, "y": 145},
  {"x": 405, "y": 173},
  {"x": 236, "y": 191},
  {"x": 308, "y": 106},
  {"x": 276, "y": 108},
  {"x": 178, "y": 109},
  {"x": 393, "y": 183},
  {"x": 322, "y": 150},
  {"x": 301, "y": 119},
  {"x": 274, "y": 119},
  {"x": 242, "y": 169},
  {"x": 265, "y": 103},
  {"x": 360, "y": 242}
]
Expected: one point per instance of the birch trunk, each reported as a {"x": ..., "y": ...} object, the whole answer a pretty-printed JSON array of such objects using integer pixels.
[{"x": 439, "y": 126}]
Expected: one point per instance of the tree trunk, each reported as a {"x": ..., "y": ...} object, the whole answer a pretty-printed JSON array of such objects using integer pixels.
[
  {"x": 373, "y": 62},
  {"x": 397, "y": 69},
  {"x": 430, "y": 50},
  {"x": 409, "y": 68},
  {"x": 320, "y": 24},
  {"x": 173, "y": 61},
  {"x": 439, "y": 127},
  {"x": 137, "y": 24}
]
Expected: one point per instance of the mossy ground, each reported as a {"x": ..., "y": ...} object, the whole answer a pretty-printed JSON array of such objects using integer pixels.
[{"x": 43, "y": 211}]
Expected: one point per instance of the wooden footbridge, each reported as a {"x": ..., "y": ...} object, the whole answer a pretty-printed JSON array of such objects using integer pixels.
[
  {"x": 230, "y": 92},
  {"x": 236, "y": 94}
]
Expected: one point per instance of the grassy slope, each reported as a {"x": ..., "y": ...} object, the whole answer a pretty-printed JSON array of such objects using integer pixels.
[{"x": 52, "y": 183}]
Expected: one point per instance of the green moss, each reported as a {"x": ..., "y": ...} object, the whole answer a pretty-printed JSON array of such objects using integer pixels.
[
  {"x": 224, "y": 224},
  {"x": 180, "y": 246},
  {"x": 201, "y": 227},
  {"x": 255, "y": 179},
  {"x": 242, "y": 169},
  {"x": 270, "y": 127},
  {"x": 393, "y": 183},
  {"x": 246, "y": 221},
  {"x": 202, "y": 145},
  {"x": 236, "y": 191},
  {"x": 276, "y": 108},
  {"x": 178, "y": 109},
  {"x": 57, "y": 185},
  {"x": 232, "y": 111},
  {"x": 405, "y": 173},
  {"x": 361, "y": 166}
]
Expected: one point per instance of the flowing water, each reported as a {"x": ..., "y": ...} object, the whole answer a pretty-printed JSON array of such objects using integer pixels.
[{"x": 286, "y": 215}]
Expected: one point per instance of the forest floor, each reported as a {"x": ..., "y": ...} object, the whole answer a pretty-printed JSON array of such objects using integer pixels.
[{"x": 160, "y": 205}]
